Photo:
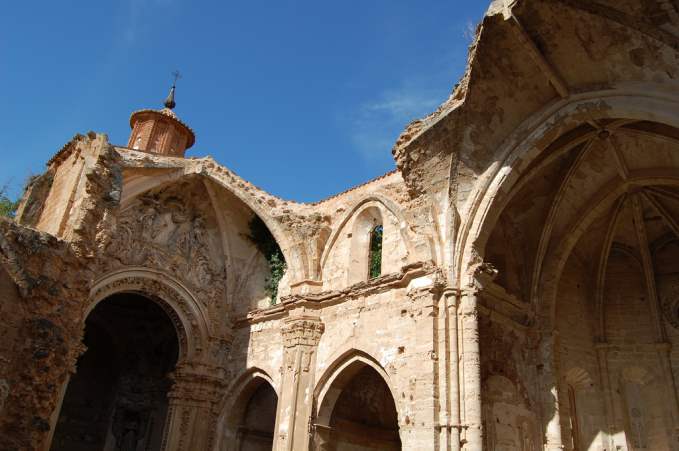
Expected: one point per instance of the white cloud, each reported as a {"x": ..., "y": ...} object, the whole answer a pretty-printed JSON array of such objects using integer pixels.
[
  {"x": 402, "y": 105},
  {"x": 378, "y": 122},
  {"x": 136, "y": 10}
]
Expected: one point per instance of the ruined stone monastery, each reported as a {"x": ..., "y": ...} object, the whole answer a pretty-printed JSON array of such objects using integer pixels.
[{"x": 512, "y": 285}]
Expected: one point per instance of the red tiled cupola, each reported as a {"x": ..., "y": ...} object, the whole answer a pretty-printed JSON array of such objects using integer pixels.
[{"x": 160, "y": 131}]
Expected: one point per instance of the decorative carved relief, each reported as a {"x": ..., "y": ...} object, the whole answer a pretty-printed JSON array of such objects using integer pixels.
[
  {"x": 302, "y": 331},
  {"x": 165, "y": 297},
  {"x": 166, "y": 231},
  {"x": 197, "y": 386}
]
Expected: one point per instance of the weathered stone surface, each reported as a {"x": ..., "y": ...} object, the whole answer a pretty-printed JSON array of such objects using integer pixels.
[{"x": 527, "y": 296}]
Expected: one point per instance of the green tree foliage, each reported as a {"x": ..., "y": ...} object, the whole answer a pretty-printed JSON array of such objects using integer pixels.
[
  {"x": 375, "y": 268},
  {"x": 262, "y": 238},
  {"x": 7, "y": 206}
]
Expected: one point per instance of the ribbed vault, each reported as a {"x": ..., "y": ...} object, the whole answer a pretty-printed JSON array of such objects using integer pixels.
[
  {"x": 588, "y": 243},
  {"x": 592, "y": 182}
]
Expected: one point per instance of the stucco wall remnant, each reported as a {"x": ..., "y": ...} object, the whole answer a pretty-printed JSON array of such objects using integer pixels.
[{"x": 528, "y": 292}]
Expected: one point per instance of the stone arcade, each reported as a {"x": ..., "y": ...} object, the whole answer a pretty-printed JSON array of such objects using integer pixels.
[{"x": 527, "y": 297}]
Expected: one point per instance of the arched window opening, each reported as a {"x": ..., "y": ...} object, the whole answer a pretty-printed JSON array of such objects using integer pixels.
[
  {"x": 255, "y": 432},
  {"x": 361, "y": 413},
  {"x": 117, "y": 399},
  {"x": 262, "y": 237},
  {"x": 375, "y": 254}
]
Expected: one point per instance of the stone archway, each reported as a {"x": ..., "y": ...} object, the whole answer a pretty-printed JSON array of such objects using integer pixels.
[
  {"x": 118, "y": 397},
  {"x": 248, "y": 414},
  {"x": 544, "y": 189},
  {"x": 192, "y": 367},
  {"x": 356, "y": 408},
  {"x": 189, "y": 317}
]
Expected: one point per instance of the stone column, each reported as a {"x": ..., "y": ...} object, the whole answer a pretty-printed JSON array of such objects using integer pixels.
[
  {"x": 609, "y": 406},
  {"x": 193, "y": 408},
  {"x": 301, "y": 334},
  {"x": 664, "y": 357},
  {"x": 450, "y": 299},
  {"x": 418, "y": 426},
  {"x": 550, "y": 394},
  {"x": 472, "y": 437}
]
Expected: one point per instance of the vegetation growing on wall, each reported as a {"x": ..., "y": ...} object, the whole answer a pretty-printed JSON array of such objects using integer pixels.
[
  {"x": 375, "y": 264},
  {"x": 7, "y": 206},
  {"x": 262, "y": 238}
]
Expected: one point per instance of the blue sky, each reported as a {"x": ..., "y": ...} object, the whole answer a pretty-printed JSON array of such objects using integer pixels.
[{"x": 303, "y": 98}]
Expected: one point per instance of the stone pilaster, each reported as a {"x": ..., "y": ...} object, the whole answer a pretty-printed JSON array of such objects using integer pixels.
[
  {"x": 301, "y": 334},
  {"x": 472, "y": 435},
  {"x": 550, "y": 394},
  {"x": 193, "y": 408},
  {"x": 665, "y": 363},
  {"x": 452, "y": 370},
  {"x": 608, "y": 438},
  {"x": 418, "y": 429}
]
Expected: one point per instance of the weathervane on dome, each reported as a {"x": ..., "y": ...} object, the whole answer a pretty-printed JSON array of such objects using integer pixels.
[{"x": 169, "y": 101}]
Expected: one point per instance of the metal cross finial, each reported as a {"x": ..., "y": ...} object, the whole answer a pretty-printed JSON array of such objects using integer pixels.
[
  {"x": 177, "y": 75},
  {"x": 169, "y": 102}
]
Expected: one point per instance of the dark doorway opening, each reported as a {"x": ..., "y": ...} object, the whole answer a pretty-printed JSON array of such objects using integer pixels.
[
  {"x": 117, "y": 399},
  {"x": 364, "y": 416},
  {"x": 256, "y": 430}
]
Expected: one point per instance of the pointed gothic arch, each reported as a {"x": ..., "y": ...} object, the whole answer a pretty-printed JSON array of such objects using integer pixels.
[
  {"x": 253, "y": 393},
  {"x": 374, "y": 425}
]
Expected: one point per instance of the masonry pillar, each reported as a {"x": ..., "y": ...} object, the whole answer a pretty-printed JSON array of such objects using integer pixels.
[
  {"x": 301, "y": 334},
  {"x": 608, "y": 438},
  {"x": 418, "y": 428},
  {"x": 452, "y": 373},
  {"x": 193, "y": 408},
  {"x": 472, "y": 436},
  {"x": 665, "y": 361},
  {"x": 550, "y": 394}
]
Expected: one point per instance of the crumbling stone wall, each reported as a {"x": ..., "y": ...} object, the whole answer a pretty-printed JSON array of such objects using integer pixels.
[
  {"x": 44, "y": 330},
  {"x": 527, "y": 295}
]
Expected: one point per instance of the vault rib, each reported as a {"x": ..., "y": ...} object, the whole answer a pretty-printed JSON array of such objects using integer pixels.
[
  {"x": 545, "y": 66},
  {"x": 620, "y": 165},
  {"x": 565, "y": 148},
  {"x": 662, "y": 211},
  {"x": 551, "y": 217},
  {"x": 664, "y": 192},
  {"x": 602, "y": 265},
  {"x": 645, "y": 251}
]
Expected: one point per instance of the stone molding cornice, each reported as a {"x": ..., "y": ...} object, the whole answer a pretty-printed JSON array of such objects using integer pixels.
[{"x": 318, "y": 301}]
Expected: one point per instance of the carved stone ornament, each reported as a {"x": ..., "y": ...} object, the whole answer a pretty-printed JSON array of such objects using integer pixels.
[
  {"x": 197, "y": 386},
  {"x": 302, "y": 331},
  {"x": 165, "y": 297},
  {"x": 164, "y": 230}
]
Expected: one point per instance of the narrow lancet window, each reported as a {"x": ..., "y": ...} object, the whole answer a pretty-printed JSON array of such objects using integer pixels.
[{"x": 375, "y": 256}]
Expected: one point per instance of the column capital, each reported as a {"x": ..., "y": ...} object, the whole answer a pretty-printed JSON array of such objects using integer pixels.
[
  {"x": 197, "y": 384},
  {"x": 302, "y": 330}
]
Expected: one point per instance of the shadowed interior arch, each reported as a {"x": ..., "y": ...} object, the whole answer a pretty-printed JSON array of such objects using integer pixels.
[
  {"x": 117, "y": 399},
  {"x": 357, "y": 410},
  {"x": 577, "y": 241},
  {"x": 251, "y": 418}
]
